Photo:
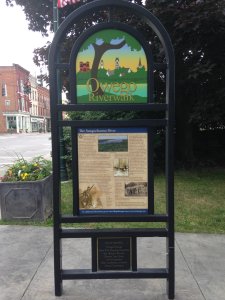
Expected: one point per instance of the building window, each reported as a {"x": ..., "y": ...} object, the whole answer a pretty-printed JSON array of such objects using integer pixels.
[
  {"x": 21, "y": 86},
  {"x": 34, "y": 127},
  {"x": 23, "y": 104},
  {"x": 7, "y": 102},
  {"x": 4, "y": 89},
  {"x": 20, "y": 104},
  {"x": 11, "y": 122}
]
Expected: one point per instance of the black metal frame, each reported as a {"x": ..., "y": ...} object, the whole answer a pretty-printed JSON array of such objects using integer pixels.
[{"x": 167, "y": 122}]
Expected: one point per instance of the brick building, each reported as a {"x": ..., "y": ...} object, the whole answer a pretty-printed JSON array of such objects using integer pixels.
[
  {"x": 43, "y": 108},
  {"x": 40, "y": 110},
  {"x": 21, "y": 101}
]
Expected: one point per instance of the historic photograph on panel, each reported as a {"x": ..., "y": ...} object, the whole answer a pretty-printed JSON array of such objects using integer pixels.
[
  {"x": 136, "y": 189},
  {"x": 90, "y": 196},
  {"x": 117, "y": 143},
  {"x": 121, "y": 167}
]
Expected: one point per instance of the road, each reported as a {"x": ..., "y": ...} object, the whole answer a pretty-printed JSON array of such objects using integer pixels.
[{"x": 28, "y": 145}]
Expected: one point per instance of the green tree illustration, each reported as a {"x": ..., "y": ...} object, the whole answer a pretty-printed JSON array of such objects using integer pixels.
[{"x": 104, "y": 41}]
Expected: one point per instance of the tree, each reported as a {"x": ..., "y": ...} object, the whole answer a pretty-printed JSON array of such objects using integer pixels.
[
  {"x": 105, "y": 44},
  {"x": 197, "y": 30},
  {"x": 38, "y": 14}
]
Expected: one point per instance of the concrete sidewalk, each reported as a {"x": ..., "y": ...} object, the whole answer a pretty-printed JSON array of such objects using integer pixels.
[{"x": 26, "y": 268}]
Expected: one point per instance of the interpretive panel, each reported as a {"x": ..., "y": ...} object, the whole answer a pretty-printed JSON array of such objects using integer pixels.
[
  {"x": 113, "y": 170},
  {"x": 114, "y": 254}
]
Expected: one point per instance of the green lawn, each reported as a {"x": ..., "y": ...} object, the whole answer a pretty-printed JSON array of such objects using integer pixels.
[{"x": 199, "y": 202}]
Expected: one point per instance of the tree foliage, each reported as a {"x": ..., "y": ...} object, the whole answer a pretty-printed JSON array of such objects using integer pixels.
[
  {"x": 110, "y": 39},
  {"x": 197, "y": 30},
  {"x": 39, "y": 14},
  {"x": 107, "y": 37}
]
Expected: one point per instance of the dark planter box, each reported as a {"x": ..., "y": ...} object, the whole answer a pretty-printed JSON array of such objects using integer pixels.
[{"x": 29, "y": 200}]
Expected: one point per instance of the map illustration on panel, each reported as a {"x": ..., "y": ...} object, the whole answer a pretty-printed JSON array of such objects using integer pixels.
[{"x": 111, "y": 67}]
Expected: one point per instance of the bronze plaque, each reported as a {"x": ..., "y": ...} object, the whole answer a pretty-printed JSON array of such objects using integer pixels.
[{"x": 114, "y": 254}]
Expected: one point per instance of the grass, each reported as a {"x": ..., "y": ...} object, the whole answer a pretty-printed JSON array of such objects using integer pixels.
[{"x": 199, "y": 202}]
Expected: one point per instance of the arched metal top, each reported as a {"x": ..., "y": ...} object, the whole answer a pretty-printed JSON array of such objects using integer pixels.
[{"x": 143, "y": 13}]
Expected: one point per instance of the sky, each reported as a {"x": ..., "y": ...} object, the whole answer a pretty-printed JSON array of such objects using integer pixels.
[
  {"x": 128, "y": 58},
  {"x": 17, "y": 42}
]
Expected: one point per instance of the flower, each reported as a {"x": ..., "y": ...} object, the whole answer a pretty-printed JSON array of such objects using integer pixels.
[
  {"x": 24, "y": 176},
  {"x": 22, "y": 170}
]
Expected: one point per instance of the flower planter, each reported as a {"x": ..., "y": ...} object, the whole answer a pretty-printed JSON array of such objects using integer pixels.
[{"x": 29, "y": 200}]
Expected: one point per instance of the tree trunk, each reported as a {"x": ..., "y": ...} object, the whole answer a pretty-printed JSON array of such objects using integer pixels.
[
  {"x": 94, "y": 72},
  {"x": 99, "y": 51}
]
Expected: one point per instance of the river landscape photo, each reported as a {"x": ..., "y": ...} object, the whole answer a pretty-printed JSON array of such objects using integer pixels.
[{"x": 113, "y": 143}]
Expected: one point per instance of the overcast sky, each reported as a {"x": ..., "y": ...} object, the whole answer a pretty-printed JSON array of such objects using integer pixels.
[{"x": 17, "y": 42}]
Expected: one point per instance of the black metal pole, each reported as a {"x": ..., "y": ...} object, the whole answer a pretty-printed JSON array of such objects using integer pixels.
[
  {"x": 170, "y": 95},
  {"x": 63, "y": 170},
  {"x": 57, "y": 165}
]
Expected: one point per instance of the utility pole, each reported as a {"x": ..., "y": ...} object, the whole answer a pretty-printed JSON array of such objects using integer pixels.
[
  {"x": 63, "y": 170},
  {"x": 55, "y": 16}
]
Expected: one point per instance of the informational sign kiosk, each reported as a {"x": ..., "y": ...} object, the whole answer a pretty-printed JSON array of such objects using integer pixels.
[{"x": 111, "y": 66}]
